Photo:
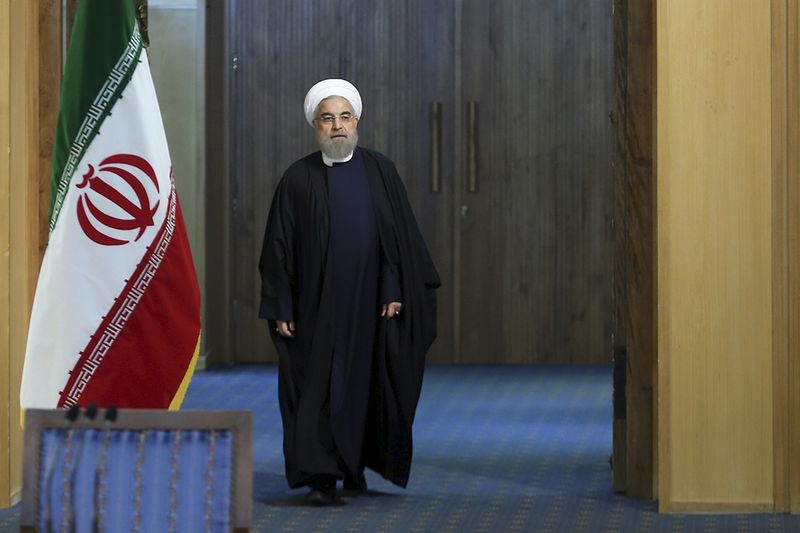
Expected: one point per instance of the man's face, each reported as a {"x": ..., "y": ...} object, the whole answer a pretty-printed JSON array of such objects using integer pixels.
[{"x": 336, "y": 126}]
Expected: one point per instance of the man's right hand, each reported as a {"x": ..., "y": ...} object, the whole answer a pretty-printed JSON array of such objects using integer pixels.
[{"x": 285, "y": 329}]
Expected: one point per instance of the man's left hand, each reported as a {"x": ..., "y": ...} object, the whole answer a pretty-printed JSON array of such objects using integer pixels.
[{"x": 392, "y": 309}]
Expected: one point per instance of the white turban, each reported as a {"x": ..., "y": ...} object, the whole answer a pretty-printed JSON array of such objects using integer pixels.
[{"x": 326, "y": 89}]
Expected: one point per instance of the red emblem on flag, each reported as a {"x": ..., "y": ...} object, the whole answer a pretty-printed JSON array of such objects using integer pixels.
[{"x": 127, "y": 192}]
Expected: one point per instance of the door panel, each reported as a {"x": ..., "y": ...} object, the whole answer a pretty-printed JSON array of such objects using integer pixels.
[
  {"x": 536, "y": 245},
  {"x": 399, "y": 55},
  {"x": 527, "y": 256}
]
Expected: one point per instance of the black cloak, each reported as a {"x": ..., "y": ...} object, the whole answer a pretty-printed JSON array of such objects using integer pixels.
[{"x": 295, "y": 268}]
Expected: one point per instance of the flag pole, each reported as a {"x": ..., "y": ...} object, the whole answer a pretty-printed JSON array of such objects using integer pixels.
[{"x": 141, "y": 20}]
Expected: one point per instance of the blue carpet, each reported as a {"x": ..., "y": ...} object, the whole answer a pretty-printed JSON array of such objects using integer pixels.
[{"x": 498, "y": 449}]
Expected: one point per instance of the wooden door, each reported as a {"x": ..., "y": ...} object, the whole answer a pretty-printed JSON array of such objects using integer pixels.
[
  {"x": 534, "y": 219},
  {"x": 399, "y": 55},
  {"x": 524, "y": 243}
]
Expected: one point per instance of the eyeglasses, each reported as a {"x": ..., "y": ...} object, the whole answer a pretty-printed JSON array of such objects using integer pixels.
[{"x": 344, "y": 118}]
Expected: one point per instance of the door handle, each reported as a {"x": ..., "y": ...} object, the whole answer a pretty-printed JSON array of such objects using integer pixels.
[
  {"x": 436, "y": 147},
  {"x": 472, "y": 146}
]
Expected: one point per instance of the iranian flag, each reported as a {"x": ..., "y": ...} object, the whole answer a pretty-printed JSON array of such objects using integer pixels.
[{"x": 116, "y": 316}]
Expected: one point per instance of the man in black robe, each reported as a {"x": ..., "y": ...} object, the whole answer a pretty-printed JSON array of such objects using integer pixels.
[{"x": 348, "y": 286}]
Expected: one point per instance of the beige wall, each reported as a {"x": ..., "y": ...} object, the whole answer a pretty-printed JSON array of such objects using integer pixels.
[
  {"x": 715, "y": 257},
  {"x": 176, "y": 60}
]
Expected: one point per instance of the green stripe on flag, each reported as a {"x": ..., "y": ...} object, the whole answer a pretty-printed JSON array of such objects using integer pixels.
[{"x": 104, "y": 49}]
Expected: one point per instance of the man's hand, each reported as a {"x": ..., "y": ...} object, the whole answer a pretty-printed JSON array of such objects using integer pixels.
[
  {"x": 392, "y": 309},
  {"x": 285, "y": 329}
]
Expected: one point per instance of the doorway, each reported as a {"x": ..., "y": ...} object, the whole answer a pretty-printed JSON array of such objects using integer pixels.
[{"x": 496, "y": 115}]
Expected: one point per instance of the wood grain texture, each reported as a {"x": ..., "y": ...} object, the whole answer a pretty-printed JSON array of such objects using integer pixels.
[
  {"x": 23, "y": 208},
  {"x": 639, "y": 248},
  {"x": 5, "y": 263},
  {"x": 24, "y": 204},
  {"x": 619, "y": 292},
  {"x": 714, "y": 254},
  {"x": 403, "y": 56},
  {"x": 219, "y": 318},
  {"x": 399, "y": 55},
  {"x": 458, "y": 104},
  {"x": 780, "y": 369},
  {"x": 793, "y": 249},
  {"x": 536, "y": 239},
  {"x": 634, "y": 234},
  {"x": 50, "y": 73}
]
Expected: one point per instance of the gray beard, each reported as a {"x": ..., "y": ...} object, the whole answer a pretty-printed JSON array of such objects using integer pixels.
[{"x": 338, "y": 149}]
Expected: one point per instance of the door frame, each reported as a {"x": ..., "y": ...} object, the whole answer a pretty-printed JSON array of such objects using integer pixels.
[
  {"x": 219, "y": 327},
  {"x": 786, "y": 252}
]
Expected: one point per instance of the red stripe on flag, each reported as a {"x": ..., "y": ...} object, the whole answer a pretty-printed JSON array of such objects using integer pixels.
[{"x": 145, "y": 364}]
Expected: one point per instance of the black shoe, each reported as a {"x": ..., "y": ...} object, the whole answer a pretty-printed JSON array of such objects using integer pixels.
[
  {"x": 321, "y": 497},
  {"x": 323, "y": 491},
  {"x": 355, "y": 486}
]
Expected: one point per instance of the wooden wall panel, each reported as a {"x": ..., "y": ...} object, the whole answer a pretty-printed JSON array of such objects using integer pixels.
[
  {"x": 780, "y": 368},
  {"x": 5, "y": 263},
  {"x": 399, "y": 56},
  {"x": 714, "y": 255},
  {"x": 536, "y": 241},
  {"x": 526, "y": 263},
  {"x": 49, "y": 91},
  {"x": 23, "y": 206},
  {"x": 219, "y": 322},
  {"x": 620, "y": 323},
  {"x": 30, "y": 76},
  {"x": 638, "y": 250},
  {"x": 793, "y": 250},
  {"x": 25, "y": 203}
]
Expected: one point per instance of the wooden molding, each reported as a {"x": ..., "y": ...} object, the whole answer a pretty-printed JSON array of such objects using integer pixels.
[
  {"x": 5, "y": 264},
  {"x": 219, "y": 319},
  {"x": 792, "y": 223},
  {"x": 23, "y": 209},
  {"x": 661, "y": 230},
  {"x": 717, "y": 507},
  {"x": 49, "y": 83},
  {"x": 779, "y": 266},
  {"x": 639, "y": 249}
]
